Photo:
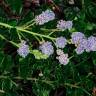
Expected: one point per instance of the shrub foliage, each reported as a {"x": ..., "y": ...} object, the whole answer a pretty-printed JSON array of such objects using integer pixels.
[{"x": 38, "y": 74}]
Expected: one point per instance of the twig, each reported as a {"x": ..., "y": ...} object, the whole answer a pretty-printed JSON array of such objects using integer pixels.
[{"x": 26, "y": 31}]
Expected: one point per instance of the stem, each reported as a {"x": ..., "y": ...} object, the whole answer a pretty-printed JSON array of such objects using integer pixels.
[
  {"x": 71, "y": 85},
  {"x": 23, "y": 36},
  {"x": 19, "y": 35},
  {"x": 26, "y": 27},
  {"x": 26, "y": 24},
  {"x": 13, "y": 43},
  {"x": 47, "y": 82},
  {"x": 27, "y": 31},
  {"x": 28, "y": 78},
  {"x": 53, "y": 30},
  {"x": 6, "y": 25},
  {"x": 71, "y": 57},
  {"x": 78, "y": 87},
  {"x": 32, "y": 33},
  {"x": 50, "y": 33}
]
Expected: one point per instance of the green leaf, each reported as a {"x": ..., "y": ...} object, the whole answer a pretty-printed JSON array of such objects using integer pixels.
[{"x": 39, "y": 55}]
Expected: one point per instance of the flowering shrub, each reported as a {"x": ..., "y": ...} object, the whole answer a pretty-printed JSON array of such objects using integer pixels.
[{"x": 47, "y": 48}]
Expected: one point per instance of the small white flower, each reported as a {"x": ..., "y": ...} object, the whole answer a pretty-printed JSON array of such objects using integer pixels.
[
  {"x": 63, "y": 59},
  {"x": 59, "y": 52}
]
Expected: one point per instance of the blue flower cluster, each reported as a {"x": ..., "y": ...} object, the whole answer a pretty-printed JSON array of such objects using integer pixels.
[
  {"x": 76, "y": 37},
  {"x": 23, "y": 50},
  {"x": 63, "y": 25},
  {"x": 47, "y": 48},
  {"x": 91, "y": 44},
  {"x": 61, "y": 42},
  {"x": 82, "y": 43},
  {"x": 81, "y": 46},
  {"x": 45, "y": 17},
  {"x": 62, "y": 57}
]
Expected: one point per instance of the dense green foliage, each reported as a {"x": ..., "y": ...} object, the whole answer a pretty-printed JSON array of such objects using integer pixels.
[{"x": 46, "y": 77}]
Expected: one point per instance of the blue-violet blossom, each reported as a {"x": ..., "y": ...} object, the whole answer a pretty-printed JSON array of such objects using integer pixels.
[
  {"x": 81, "y": 46},
  {"x": 76, "y": 37},
  {"x": 45, "y": 17},
  {"x": 47, "y": 48},
  {"x": 63, "y": 25},
  {"x": 91, "y": 44},
  {"x": 23, "y": 49},
  {"x": 61, "y": 42}
]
